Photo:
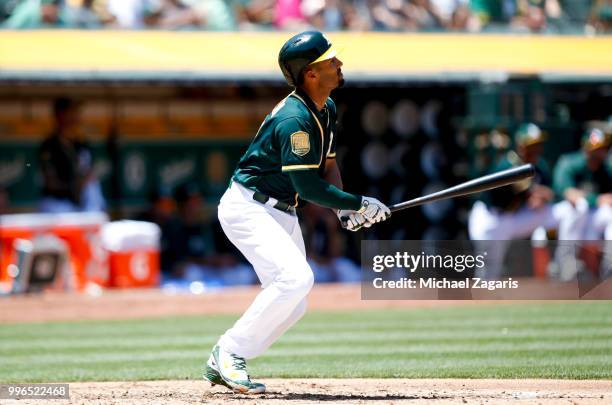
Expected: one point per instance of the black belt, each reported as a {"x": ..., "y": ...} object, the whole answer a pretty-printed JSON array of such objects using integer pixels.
[{"x": 262, "y": 198}]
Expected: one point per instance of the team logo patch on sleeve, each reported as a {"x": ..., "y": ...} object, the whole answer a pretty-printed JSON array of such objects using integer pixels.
[{"x": 300, "y": 143}]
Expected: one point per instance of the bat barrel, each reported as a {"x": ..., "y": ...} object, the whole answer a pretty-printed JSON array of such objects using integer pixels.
[{"x": 484, "y": 183}]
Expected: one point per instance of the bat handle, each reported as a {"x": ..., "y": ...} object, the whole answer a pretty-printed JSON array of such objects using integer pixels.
[{"x": 344, "y": 222}]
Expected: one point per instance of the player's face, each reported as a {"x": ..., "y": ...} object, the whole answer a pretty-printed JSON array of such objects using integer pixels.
[
  {"x": 596, "y": 157},
  {"x": 330, "y": 73},
  {"x": 531, "y": 153}
]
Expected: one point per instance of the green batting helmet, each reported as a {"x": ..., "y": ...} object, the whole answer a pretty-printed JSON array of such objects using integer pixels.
[
  {"x": 529, "y": 134},
  {"x": 301, "y": 50},
  {"x": 595, "y": 138}
]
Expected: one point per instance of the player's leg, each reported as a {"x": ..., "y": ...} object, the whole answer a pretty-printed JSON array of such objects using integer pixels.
[
  {"x": 275, "y": 257},
  {"x": 264, "y": 235},
  {"x": 298, "y": 312}
]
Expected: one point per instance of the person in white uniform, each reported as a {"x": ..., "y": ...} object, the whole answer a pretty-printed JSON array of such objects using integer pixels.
[
  {"x": 516, "y": 211},
  {"x": 291, "y": 157}
]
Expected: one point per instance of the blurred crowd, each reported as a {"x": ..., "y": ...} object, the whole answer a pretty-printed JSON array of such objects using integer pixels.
[
  {"x": 572, "y": 200},
  {"x": 541, "y": 16}
]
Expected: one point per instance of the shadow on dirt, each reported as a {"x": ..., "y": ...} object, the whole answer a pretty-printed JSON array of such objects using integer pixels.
[{"x": 328, "y": 397}]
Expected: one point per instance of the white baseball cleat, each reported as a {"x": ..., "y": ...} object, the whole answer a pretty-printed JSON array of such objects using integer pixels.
[{"x": 232, "y": 369}]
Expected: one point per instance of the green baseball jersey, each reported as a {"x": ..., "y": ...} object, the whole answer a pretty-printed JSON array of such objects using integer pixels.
[
  {"x": 294, "y": 136},
  {"x": 572, "y": 171}
]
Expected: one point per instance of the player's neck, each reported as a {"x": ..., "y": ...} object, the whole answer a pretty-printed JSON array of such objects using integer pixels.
[{"x": 317, "y": 95}]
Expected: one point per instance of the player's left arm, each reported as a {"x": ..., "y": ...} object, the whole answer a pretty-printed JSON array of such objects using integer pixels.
[{"x": 332, "y": 173}]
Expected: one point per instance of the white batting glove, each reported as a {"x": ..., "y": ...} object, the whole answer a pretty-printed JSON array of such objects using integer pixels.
[
  {"x": 373, "y": 210},
  {"x": 352, "y": 220}
]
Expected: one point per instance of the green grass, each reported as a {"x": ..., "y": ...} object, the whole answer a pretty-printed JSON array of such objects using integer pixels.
[{"x": 552, "y": 340}]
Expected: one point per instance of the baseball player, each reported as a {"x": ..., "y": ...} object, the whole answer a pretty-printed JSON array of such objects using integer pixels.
[
  {"x": 516, "y": 211},
  {"x": 584, "y": 179},
  {"x": 291, "y": 157}
]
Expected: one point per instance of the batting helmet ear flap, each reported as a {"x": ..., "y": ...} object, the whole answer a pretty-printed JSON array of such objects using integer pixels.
[{"x": 300, "y": 51}]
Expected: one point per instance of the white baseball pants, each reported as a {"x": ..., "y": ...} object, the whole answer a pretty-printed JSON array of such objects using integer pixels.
[{"x": 272, "y": 242}]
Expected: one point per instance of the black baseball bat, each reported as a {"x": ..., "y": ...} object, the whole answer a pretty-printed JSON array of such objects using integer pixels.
[{"x": 484, "y": 183}]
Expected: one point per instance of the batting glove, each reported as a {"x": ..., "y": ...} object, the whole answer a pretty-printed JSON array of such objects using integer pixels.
[
  {"x": 373, "y": 210},
  {"x": 352, "y": 220}
]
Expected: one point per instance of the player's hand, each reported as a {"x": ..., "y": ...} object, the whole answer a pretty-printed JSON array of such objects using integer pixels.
[
  {"x": 373, "y": 210},
  {"x": 352, "y": 220},
  {"x": 574, "y": 195},
  {"x": 539, "y": 196},
  {"x": 604, "y": 199}
]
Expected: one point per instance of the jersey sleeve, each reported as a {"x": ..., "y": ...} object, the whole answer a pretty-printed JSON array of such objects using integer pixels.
[{"x": 299, "y": 149}]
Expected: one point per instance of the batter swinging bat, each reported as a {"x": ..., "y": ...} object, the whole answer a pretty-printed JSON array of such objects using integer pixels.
[{"x": 477, "y": 185}]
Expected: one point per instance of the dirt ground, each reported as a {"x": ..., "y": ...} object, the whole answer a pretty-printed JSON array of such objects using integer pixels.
[
  {"x": 98, "y": 304},
  {"x": 345, "y": 391}
]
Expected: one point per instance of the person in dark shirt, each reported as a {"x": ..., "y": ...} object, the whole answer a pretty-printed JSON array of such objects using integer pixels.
[
  {"x": 586, "y": 175},
  {"x": 195, "y": 250},
  {"x": 69, "y": 180}
]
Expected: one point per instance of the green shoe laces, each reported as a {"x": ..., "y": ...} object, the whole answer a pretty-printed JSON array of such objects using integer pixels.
[{"x": 239, "y": 363}]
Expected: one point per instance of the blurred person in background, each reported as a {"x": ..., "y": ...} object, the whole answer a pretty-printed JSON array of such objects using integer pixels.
[
  {"x": 88, "y": 14},
  {"x": 70, "y": 183},
  {"x": 162, "y": 211},
  {"x": 584, "y": 179},
  {"x": 423, "y": 15},
  {"x": 288, "y": 15},
  {"x": 129, "y": 14},
  {"x": 188, "y": 236},
  {"x": 7, "y": 8},
  {"x": 212, "y": 15},
  {"x": 324, "y": 244},
  {"x": 407, "y": 15},
  {"x": 517, "y": 210},
  {"x": 601, "y": 16},
  {"x": 572, "y": 16},
  {"x": 531, "y": 15},
  {"x": 192, "y": 251},
  {"x": 388, "y": 15},
  {"x": 356, "y": 15},
  {"x": 252, "y": 15},
  {"x": 455, "y": 15},
  {"x": 493, "y": 13},
  {"x": 488, "y": 149},
  {"x": 32, "y": 14},
  {"x": 323, "y": 14}
]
